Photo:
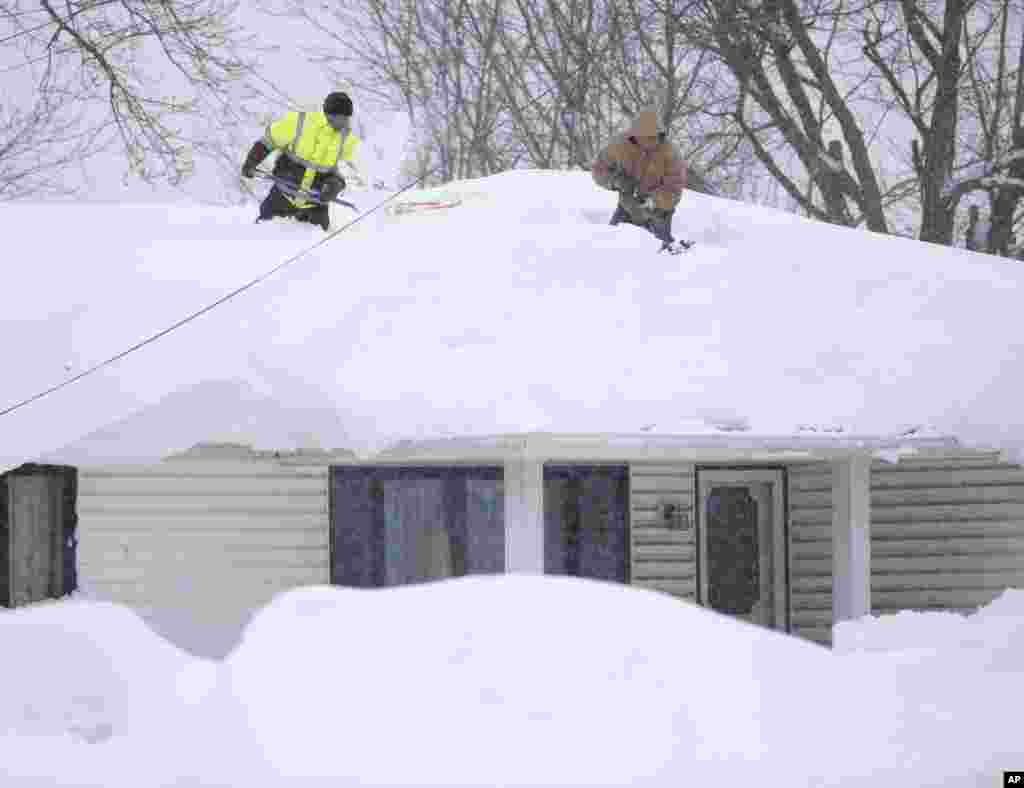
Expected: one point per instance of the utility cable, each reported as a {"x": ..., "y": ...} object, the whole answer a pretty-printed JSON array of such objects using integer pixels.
[{"x": 209, "y": 307}]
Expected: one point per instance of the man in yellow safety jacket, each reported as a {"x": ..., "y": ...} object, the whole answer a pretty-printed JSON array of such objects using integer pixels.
[{"x": 311, "y": 145}]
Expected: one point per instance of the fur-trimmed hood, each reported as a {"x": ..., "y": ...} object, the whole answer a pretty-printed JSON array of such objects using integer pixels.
[{"x": 647, "y": 123}]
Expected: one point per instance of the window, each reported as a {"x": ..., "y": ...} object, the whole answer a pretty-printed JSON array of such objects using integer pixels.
[
  {"x": 586, "y": 523},
  {"x": 393, "y": 526}
]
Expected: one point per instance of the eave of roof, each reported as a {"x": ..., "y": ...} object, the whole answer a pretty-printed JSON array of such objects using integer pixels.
[{"x": 611, "y": 447}]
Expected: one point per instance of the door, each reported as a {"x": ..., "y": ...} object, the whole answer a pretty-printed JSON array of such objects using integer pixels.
[{"x": 742, "y": 545}]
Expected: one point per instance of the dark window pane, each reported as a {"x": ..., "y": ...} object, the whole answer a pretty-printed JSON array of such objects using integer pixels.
[
  {"x": 586, "y": 531},
  {"x": 396, "y": 526},
  {"x": 733, "y": 551}
]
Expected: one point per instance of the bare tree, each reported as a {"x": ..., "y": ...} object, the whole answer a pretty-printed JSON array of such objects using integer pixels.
[
  {"x": 433, "y": 59},
  {"x": 147, "y": 75},
  {"x": 994, "y": 106},
  {"x": 39, "y": 143},
  {"x": 924, "y": 70},
  {"x": 786, "y": 100},
  {"x": 858, "y": 145},
  {"x": 496, "y": 84}
]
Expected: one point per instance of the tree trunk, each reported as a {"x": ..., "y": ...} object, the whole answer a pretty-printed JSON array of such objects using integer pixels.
[
  {"x": 935, "y": 162},
  {"x": 1007, "y": 197}
]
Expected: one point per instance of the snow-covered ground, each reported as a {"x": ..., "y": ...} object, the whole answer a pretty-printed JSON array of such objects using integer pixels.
[
  {"x": 531, "y": 681},
  {"x": 518, "y": 310}
]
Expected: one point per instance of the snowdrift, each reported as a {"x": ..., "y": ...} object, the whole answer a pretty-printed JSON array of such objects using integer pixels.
[{"x": 513, "y": 680}]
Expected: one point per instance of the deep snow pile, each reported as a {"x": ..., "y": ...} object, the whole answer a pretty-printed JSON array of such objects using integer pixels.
[
  {"x": 517, "y": 310},
  {"x": 993, "y": 634},
  {"x": 89, "y": 696},
  {"x": 507, "y": 680}
]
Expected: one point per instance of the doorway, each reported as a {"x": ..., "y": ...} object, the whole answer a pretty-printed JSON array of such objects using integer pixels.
[{"x": 742, "y": 545}]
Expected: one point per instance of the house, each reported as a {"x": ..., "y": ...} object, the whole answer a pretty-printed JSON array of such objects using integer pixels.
[
  {"x": 792, "y": 533},
  {"x": 527, "y": 412}
]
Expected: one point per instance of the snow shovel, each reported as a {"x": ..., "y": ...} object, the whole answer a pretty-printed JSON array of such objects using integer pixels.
[{"x": 303, "y": 194}]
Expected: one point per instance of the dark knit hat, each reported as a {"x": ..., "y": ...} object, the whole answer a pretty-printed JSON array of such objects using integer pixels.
[{"x": 338, "y": 103}]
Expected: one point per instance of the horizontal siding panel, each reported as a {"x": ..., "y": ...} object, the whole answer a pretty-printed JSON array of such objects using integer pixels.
[
  {"x": 214, "y": 469},
  {"x": 814, "y": 567},
  {"x": 202, "y": 535},
  {"x": 811, "y": 534},
  {"x": 944, "y": 460},
  {"x": 227, "y": 504},
  {"x": 919, "y": 564},
  {"x": 292, "y": 556},
  {"x": 883, "y": 546},
  {"x": 954, "y": 563},
  {"x": 210, "y": 539},
  {"x": 947, "y": 533},
  {"x": 662, "y": 552},
  {"x": 188, "y": 585},
  {"x": 810, "y": 502},
  {"x": 680, "y": 588},
  {"x": 161, "y": 486},
  {"x": 661, "y": 485},
  {"x": 948, "y": 580},
  {"x": 127, "y": 522},
  {"x": 881, "y": 499},
  {"x": 639, "y": 470},
  {"x": 812, "y": 600},
  {"x": 806, "y": 470},
  {"x": 662, "y": 558},
  {"x": 650, "y": 521},
  {"x": 156, "y": 576},
  {"x": 820, "y": 635},
  {"x": 650, "y": 513},
  {"x": 674, "y": 570},
  {"x": 649, "y": 535},
  {"x": 810, "y": 546},
  {"x": 950, "y": 477},
  {"x": 184, "y": 596},
  {"x": 806, "y": 484},
  {"x": 816, "y": 549},
  {"x": 815, "y": 619},
  {"x": 932, "y": 599},
  {"x": 807, "y": 582},
  {"x": 800, "y": 516},
  {"x": 921, "y": 530}
]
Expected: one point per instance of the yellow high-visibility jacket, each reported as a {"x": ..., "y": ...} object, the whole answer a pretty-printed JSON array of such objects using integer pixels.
[{"x": 306, "y": 139}]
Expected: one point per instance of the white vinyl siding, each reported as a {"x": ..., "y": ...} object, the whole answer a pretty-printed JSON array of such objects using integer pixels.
[
  {"x": 810, "y": 540},
  {"x": 200, "y": 534},
  {"x": 664, "y": 555},
  {"x": 945, "y": 534}
]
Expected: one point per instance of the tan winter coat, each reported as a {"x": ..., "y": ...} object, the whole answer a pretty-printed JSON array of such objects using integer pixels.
[{"x": 659, "y": 170}]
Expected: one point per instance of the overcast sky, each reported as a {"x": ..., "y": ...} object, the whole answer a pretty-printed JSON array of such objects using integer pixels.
[{"x": 104, "y": 176}]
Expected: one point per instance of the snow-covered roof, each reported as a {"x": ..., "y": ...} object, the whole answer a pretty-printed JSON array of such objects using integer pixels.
[{"x": 518, "y": 311}]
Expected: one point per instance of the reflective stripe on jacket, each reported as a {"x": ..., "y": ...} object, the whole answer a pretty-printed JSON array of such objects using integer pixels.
[{"x": 310, "y": 141}]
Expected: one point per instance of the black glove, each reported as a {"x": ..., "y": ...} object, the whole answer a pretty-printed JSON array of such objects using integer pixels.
[
  {"x": 332, "y": 186},
  {"x": 257, "y": 153}
]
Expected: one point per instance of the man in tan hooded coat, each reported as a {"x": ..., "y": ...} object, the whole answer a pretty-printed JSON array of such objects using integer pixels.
[{"x": 648, "y": 172}]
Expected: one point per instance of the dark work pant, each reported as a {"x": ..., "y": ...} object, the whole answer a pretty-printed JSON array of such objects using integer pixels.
[
  {"x": 277, "y": 204},
  {"x": 662, "y": 233}
]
